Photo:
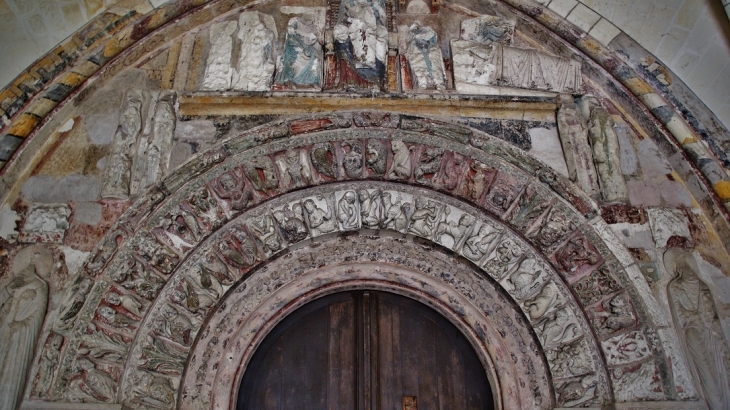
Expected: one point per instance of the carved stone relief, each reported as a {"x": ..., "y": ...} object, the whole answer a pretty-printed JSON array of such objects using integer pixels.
[
  {"x": 257, "y": 59},
  {"x": 218, "y": 70},
  {"x": 422, "y": 65},
  {"x": 696, "y": 321},
  {"x": 300, "y": 65},
  {"x": 22, "y": 310},
  {"x": 576, "y": 149},
  {"x": 45, "y": 223}
]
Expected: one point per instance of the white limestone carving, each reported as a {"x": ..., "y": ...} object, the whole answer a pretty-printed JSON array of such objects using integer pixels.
[
  {"x": 117, "y": 174},
  {"x": 348, "y": 210},
  {"x": 478, "y": 68},
  {"x": 257, "y": 59},
  {"x": 634, "y": 384},
  {"x": 577, "y": 150},
  {"x": 695, "y": 318},
  {"x": 401, "y": 167},
  {"x": 218, "y": 70},
  {"x": 626, "y": 348},
  {"x": 45, "y": 223},
  {"x": 604, "y": 142},
  {"x": 320, "y": 221},
  {"x": 158, "y": 150},
  {"x": 22, "y": 309},
  {"x": 425, "y": 61},
  {"x": 372, "y": 210},
  {"x": 487, "y": 29},
  {"x": 665, "y": 223}
]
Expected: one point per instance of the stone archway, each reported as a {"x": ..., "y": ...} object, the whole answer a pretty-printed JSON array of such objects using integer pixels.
[{"x": 233, "y": 214}]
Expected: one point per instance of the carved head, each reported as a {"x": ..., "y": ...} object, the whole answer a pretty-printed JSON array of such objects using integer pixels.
[
  {"x": 113, "y": 298},
  {"x": 310, "y": 206},
  {"x": 228, "y": 182},
  {"x": 107, "y": 313},
  {"x": 349, "y": 197}
]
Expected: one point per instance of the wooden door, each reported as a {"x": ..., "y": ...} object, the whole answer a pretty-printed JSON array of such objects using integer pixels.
[{"x": 365, "y": 351}]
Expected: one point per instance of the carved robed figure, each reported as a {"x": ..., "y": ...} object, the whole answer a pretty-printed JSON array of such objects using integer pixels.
[{"x": 22, "y": 309}]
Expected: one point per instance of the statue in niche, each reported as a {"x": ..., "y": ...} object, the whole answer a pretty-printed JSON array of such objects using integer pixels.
[
  {"x": 697, "y": 323},
  {"x": 300, "y": 66},
  {"x": 477, "y": 245},
  {"x": 348, "y": 212},
  {"x": 425, "y": 63},
  {"x": 376, "y": 157},
  {"x": 22, "y": 309},
  {"x": 48, "y": 364},
  {"x": 257, "y": 58},
  {"x": 604, "y": 143},
  {"x": 361, "y": 44},
  {"x": 117, "y": 175},
  {"x": 371, "y": 208},
  {"x": 291, "y": 222},
  {"x": 320, "y": 221},
  {"x": 401, "y": 168}
]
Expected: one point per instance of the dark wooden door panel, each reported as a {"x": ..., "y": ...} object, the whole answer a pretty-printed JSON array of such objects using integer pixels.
[{"x": 365, "y": 351}]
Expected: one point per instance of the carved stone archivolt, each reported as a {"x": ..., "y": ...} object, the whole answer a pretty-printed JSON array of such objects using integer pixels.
[{"x": 234, "y": 212}]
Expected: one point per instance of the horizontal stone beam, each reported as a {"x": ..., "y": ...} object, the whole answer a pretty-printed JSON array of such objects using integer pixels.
[{"x": 522, "y": 108}]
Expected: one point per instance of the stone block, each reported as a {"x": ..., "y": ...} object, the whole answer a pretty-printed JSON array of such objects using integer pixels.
[
  {"x": 195, "y": 130},
  {"x": 604, "y": 32},
  {"x": 675, "y": 195},
  {"x": 583, "y": 17},
  {"x": 88, "y": 213},
  {"x": 667, "y": 223},
  {"x": 8, "y": 223},
  {"x": 644, "y": 193},
  {"x": 47, "y": 189},
  {"x": 651, "y": 160},
  {"x": 45, "y": 223},
  {"x": 546, "y": 147},
  {"x": 8, "y": 145},
  {"x": 562, "y": 7},
  {"x": 634, "y": 235}
]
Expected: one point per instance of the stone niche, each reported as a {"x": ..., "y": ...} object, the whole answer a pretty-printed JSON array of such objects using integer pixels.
[{"x": 239, "y": 162}]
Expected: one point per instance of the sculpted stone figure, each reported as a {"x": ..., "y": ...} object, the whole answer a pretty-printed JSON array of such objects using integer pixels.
[
  {"x": 232, "y": 188},
  {"x": 424, "y": 56},
  {"x": 257, "y": 57},
  {"x": 697, "y": 323},
  {"x": 347, "y": 211},
  {"x": 361, "y": 43},
  {"x": 604, "y": 143},
  {"x": 94, "y": 382},
  {"x": 320, "y": 221},
  {"x": 297, "y": 170},
  {"x": 428, "y": 164},
  {"x": 371, "y": 208},
  {"x": 117, "y": 175},
  {"x": 508, "y": 256},
  {"x": 264, "y": 230},
  {"x": 576, "y": 148},
  {"x": 376, "y": 157},
  {"x": 424, "y": 218},
  {"x": 324, "y": 159},
  {"x": 477, "y": 245},
  {"x": 617, "y": 315},
  {"x": 22, "y": 309},
  {"x": 456, "y": 230},
  {"x": 291, "y": 223},
  {"x": 176, "y": 326},
  {"x": 160, "y": 145},
  {"x": 396, "y": 214},
  {"x": 262, "y": 173},
  {"x": 301, "y": 61},
  {"x": 73, "y": 301},
  {"x": 352, "y": 160},
  {"x": 48, "y": 364},
  {"x": 401, "y": 168},
  {"x": 126, "y": 302},
  {"x": 133, "y": 276}
]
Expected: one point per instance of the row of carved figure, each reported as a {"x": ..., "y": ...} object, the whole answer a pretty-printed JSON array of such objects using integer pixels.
[
  {"x": 138, "y": 278},
  {"x": 355, "y": 45}
]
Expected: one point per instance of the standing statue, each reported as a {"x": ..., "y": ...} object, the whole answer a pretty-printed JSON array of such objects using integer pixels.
[
  {"x": 22, "y": 309},
  {"x": 696, "y": 322},
  {"x": 604, "y": 142}
]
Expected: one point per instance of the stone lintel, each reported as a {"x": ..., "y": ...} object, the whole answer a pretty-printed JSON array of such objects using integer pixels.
[{"x": 520, "y": 108}]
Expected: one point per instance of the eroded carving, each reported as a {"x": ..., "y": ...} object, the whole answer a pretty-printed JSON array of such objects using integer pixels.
[{"x": 604, "y": 142}]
